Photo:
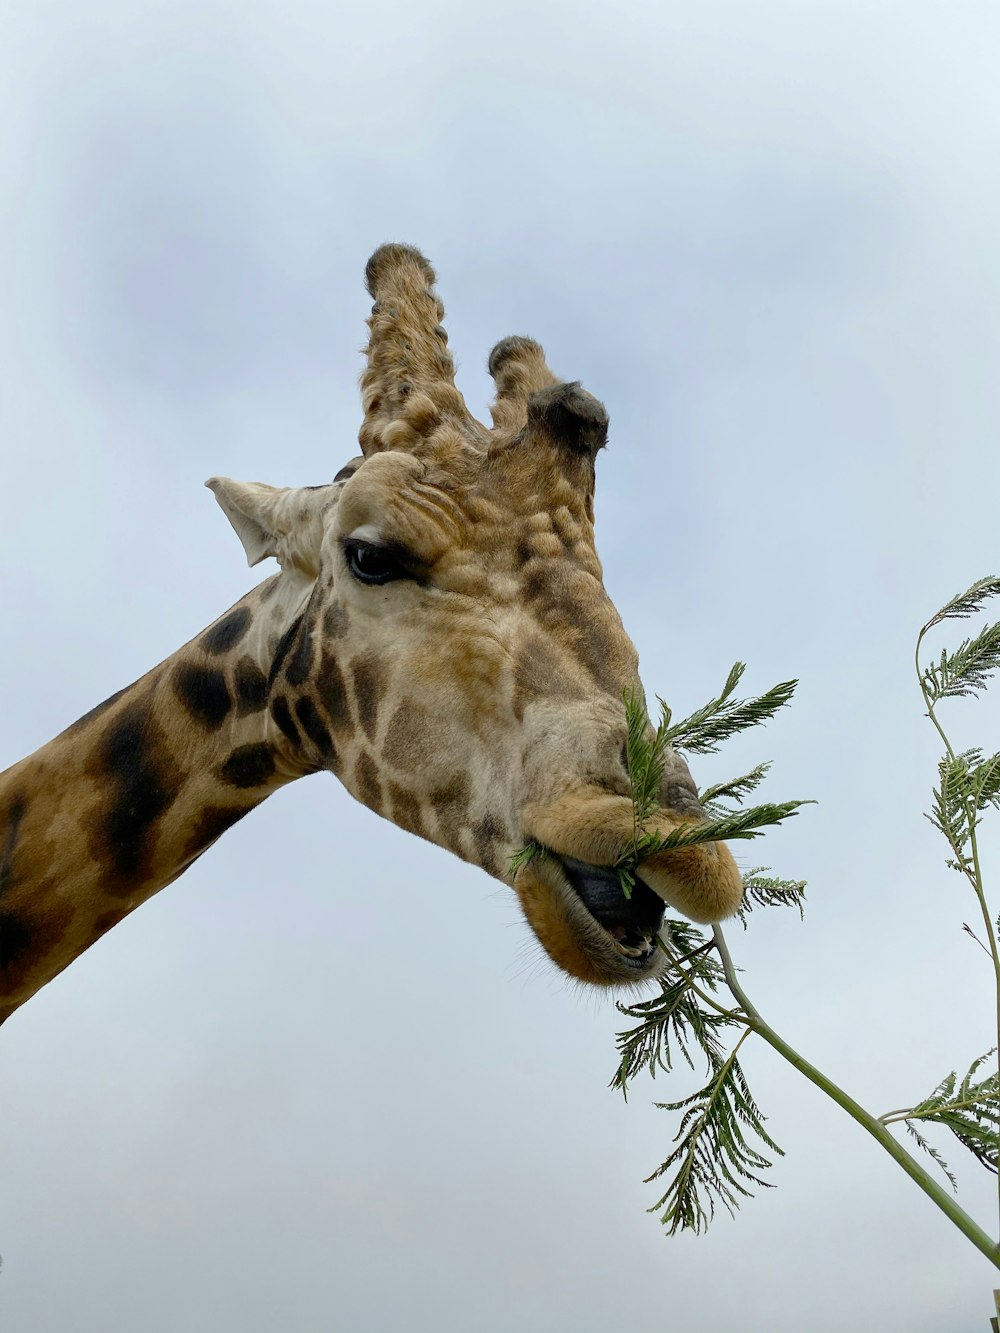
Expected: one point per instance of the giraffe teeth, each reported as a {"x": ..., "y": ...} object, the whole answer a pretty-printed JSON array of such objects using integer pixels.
[{"x": 631, "y": 943}]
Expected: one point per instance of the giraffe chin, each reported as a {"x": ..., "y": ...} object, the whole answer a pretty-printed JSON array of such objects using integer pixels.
[{"x": 586, "y": 925}]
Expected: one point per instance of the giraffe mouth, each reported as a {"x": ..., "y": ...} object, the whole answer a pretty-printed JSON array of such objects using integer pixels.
[
  {"x": 632, "y": 924},
  {"x": 585, "y": 923}
]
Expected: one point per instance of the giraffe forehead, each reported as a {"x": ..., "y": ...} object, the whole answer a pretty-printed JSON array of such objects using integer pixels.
[
  {"x": 479, "y": 540},
  {"x": 483, "y": 501},
  {"x": 389, "y": 497}
]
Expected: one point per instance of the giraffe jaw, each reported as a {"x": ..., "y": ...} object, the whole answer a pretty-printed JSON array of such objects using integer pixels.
[{"x": 586, "y": 924}]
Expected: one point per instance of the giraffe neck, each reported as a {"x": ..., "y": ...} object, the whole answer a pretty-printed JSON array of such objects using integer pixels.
[{"x": 124, "y": 800}]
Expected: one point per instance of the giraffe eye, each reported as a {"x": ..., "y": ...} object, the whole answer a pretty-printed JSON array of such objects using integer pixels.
[{"x": 370, "y": 563}]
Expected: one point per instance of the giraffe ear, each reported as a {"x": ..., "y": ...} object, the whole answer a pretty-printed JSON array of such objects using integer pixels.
[
  {"x": 242, "y": 505},
  {"x": 285, "y": 522}
]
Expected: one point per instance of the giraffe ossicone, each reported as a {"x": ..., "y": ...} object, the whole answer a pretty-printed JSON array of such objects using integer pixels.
[{"x": 438, "y": 636}]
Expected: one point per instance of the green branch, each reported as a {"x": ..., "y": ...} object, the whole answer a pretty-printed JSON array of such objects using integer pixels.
[{"x": 716, "y": 1158}]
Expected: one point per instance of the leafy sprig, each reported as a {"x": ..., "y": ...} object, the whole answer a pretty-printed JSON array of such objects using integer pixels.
[
  {"x": 970, "y": 1109},
  {"x": 965, "y": 671},
  {"x": 736, "y": 789},
  {"x": 967, "y": 784},
  {"x": 763, "y": 890},
  {"x": 675, "y": 1019},
  {"x": 717, "y": 1157},
  {"x": 645, "y": 756},
  {"x": 707, "y": 727},
  {"x": 700, "y": 733},
  {"x": 715, "y": 1160},
  {"x": 721, "y": 1146},
  {"x": 965, "y": 604}
]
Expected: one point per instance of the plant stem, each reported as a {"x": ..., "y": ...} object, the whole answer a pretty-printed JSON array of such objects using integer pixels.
[
  {"x": 970, "y": 1229},
  {"x": 976, "y": 878},
  {"x": 692, "y": 985},
  {"x": 894, "y": 1117}
]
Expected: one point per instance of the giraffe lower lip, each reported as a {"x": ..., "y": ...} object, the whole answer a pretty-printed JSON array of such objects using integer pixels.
[{"x": 633, "y": 923}]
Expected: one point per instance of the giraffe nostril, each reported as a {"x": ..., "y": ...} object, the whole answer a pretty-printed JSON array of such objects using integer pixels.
[{"x": 624, "y": 758}]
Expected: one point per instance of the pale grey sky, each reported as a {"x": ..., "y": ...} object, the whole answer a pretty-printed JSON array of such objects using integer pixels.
[{"x": 324, "y": 1081}]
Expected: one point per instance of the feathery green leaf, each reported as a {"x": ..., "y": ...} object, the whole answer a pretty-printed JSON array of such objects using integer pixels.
[
  {"x": 967, "y": 603},
  {"x": 714, "y": 1160},
  {"x": 984, "y": 782},
  {"x": 735, "y": 824},
  {"x": 734, "y": 790},
  {"x": 931, "y": 1151},
  {"x": 970, "y": 1109},
  {"x": 966, "y": 671},
  {"x": 706, "y": 728},
  {"x": 954, "y": 801},
  {"x": 763, "y": 890},
  {"x": 645, "y": 757},
  {"x": 703, "y": 730},
  {"x": 675, "y": 1015}
]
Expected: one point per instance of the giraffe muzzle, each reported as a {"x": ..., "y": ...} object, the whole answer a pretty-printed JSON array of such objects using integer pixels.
[
  {"x": 585, "y": 923},
  {"x": 574, "y": 902}
]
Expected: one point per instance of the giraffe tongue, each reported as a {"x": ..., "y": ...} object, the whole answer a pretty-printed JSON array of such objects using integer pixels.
[{"x": 632, "y": 922}]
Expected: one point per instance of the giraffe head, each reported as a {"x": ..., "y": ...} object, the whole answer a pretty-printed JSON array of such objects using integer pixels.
[{"x": 458, "y": 663}]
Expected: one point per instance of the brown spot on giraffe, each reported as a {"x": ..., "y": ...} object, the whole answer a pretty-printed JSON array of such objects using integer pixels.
[
  {"x": 300, "y": 655},
  {"x": 367, "y": 676},
  {"x": 282, "y": 648},
  {"x": 282, "y": 714},
  {"x": 211, "y": 823},
  {"x": 331, "y": 692},
  {"x": 405, "y": 810},
  {"x": 248, "y": 766},
  {"x": 315, "y": 729},
  {"x": 250, "y": 687},
  {"x": 451, "y": 802},
  {"x": 336, "y": 622},
  {"x": 13, "y": 818},
  {"x": 95, "y": 712},
  {"x": 367, "y": 781},
  {"x": 489, "y": 833},
  {"x": 203, "y": 692},
  {"x": 104, "y": 922},
  {"x": 409, "y": 743},
  {"x": 142, "y": 782},
  {"x": 26, "y": 936},
  {"x": 226, "y": 633}
]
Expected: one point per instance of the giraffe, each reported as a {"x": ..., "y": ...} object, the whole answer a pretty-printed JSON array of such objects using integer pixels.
[{"x": 438, "y": 636}]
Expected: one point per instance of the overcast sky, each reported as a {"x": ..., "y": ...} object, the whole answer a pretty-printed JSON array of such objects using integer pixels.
[{"x": 325, "y": 1081}]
